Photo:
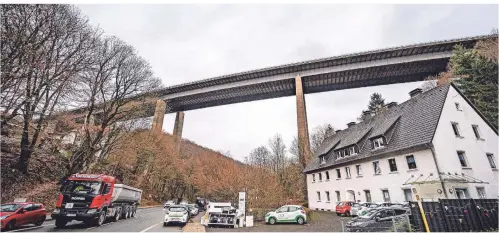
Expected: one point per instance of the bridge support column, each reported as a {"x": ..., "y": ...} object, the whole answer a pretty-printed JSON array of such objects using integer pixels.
[
  {"x": 159, "y": 115},
  {"x": 177, "y": 130},
  {"x": 303, "y": 138},
  {"x": 301, "y": 117}
]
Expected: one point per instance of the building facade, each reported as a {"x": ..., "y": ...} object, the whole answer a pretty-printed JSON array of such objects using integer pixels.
[{"x": 436, "y": 143}]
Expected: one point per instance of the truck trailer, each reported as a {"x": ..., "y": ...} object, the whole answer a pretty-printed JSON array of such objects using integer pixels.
[{"x": 94, "y": 198}]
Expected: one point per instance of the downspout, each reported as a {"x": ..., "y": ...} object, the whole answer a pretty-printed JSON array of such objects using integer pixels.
[{"x": 438, "y": 169}]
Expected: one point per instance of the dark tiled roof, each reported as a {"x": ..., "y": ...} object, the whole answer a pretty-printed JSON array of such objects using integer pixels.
[{"x": 412, "y": 124}]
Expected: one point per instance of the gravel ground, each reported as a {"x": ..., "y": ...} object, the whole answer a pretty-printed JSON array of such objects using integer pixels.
[{"x": 322, "y": 222}]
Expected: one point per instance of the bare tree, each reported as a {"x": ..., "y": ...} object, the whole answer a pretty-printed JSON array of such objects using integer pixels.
[
  {"x": 317, "y": 137},
  {"x": 259, "y": 157},
  {"x": 278, "y": 152},
  {"x": 43, "y": 48},
  {"x": 108, "y": 89}
]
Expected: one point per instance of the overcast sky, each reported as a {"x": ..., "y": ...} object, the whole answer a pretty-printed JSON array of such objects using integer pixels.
[{"x": 185, "y": 43}]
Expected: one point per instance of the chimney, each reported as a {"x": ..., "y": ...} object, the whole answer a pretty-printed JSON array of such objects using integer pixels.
[
  {"x": 415, "y": 92},
  {"x": 391, "y": 104},
  {"x": 351, "y": 124}
]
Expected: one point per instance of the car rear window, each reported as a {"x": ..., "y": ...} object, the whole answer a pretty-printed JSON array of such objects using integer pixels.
[
  {"x": 399, "y": 212},
  {"x": 340, "y": 204}
]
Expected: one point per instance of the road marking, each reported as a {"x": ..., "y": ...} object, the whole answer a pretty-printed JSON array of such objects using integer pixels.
[
  {"x": 149, "y": 228},
  {"x": 24, "y": 229}
]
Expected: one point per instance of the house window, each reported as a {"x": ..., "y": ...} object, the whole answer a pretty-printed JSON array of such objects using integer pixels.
[
  {"x": 328, "y": 199},
  {"x": 462, "y": 158},
  {"x": 407, "y": 194},
  {"x": 322, "y": 159},
  {"x": 338, "y": 197},
  {"x": 368, "y": 195},
  {"x": 476, "y": 131},
  {"x": 320, "y": 176},
  {"x": 386, "y": 195},
  {"x": 347, "y": 170},
  {"x": 481, "y": 192},
  {"x": 377, "y": 169},
  {"x": 359, "y": 170},
  {"x": 462, "y": 193},
  {"x": 378, "y": 143},
  {"x": 338, "y": 173},
  {"x": 393, "y": 165},
  {"x": 318, "y": 196},
  {"x": 353, "y": 150},
  {"x": 455, "y": 127},
  {"x": 347, "y": 152},
  {"x": 313, "y": 177},
  {"x": 411, "y": 162},
  {"x": 458, "y": 106},
  {"x": 492, "y": 163},
  {"x": 327, "y": 175}
]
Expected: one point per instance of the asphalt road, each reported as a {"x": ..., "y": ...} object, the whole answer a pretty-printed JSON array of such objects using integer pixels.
[{"x": 147, "y": 220}]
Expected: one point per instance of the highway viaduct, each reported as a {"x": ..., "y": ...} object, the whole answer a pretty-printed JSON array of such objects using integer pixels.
[{"x": 379, "y": 67}]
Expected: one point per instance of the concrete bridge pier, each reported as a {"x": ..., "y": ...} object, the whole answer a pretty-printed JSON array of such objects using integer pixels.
[
  {"x": 159, "y": 115},
  {"x": 301, "y": 117},
  {"x": 177, "y": 130}
]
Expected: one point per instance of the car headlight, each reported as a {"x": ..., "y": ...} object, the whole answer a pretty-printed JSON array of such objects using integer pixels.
[
  {"x": 91, "y": 211},
  {"x": 56, "y": 211},
  {"x": 4, "y": 217}
]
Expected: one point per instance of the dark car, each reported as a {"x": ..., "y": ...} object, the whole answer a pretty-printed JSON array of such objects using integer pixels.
[
  {"x": 21, "y": 213},
  {"x": 378, "y": 220}
]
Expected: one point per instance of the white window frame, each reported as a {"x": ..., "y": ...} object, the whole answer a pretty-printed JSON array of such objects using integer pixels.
[
  {"x": 348, "y": 173},
  {"x": 358, "y": 169},
  {"x": 407, "y": 162},
  {"x": 390, "y": 167},
  {"x": 484, "y": 196},
  {"x": 318, "y": 196},
  {"x": 328, "y": 197},
  {"x": 491, "y": 159},
  {"x": 378, "y": 171},
  {"x": 464, "y": 158},
  {"x": 338, "y": 195},
  {"x": 338, "y": 173},
  {"x": 320, "y": 176},
  {"x": 352, "y": 150},
  {"x": 313, "y": 177},
  {"x": 383, "y": 194},
  {"x": 327, "y": 175},
  {"x": 477, "y": 132},
  {"x": 322, "y": 159},
  {"x": 458, "y": 106},
  {"x": 456, "y": 128},
  {"x": 378, "y": 143}
]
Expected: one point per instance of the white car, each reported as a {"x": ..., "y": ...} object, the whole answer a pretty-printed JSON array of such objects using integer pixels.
[
  {"x": 287, "y": 213},
  {"x": 359, "y": 209},
  {"x": 194, "y": 209},
  {"x": 176, "y": 214}
]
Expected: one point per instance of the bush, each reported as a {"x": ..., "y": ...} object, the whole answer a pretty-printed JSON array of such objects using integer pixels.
[
  {"x": 259, "y": 213},
  {"x": 310, "y": 214}
]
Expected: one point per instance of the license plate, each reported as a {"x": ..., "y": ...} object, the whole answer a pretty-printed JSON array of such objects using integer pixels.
[
  {"x": 69, "y": 205},
  {"x": 71, "y": 215}
]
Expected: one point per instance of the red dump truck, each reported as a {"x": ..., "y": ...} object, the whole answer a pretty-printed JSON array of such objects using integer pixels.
[{"x": 94, "y": 198}]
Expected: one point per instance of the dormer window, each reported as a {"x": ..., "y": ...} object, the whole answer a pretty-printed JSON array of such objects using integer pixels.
[
  {"x": 378, "y": 143},
  {"x": 353, "y": 150},
  {"x": 322, "y": 159}
]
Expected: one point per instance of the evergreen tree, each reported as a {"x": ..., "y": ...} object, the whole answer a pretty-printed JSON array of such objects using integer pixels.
[
  {"x": 376, "y": 102},
  {"x": 477, "y": 78}
]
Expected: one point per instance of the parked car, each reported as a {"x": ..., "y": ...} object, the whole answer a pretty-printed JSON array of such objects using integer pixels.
[
  {"x": 168, "y": 204},
  {"x": 193, "y": 209},
  {"x": 176, "y": 214},
  {"x": 287, "y": 213},
  {"x": 379, "y": 219},
  {"x": 362, "y": 208},
  {"x": 21, "y": 213},
  {"x": 344, "y": 207}
]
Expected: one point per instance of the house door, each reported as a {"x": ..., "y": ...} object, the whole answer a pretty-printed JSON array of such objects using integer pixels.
[{"x": 408, "y": 194}]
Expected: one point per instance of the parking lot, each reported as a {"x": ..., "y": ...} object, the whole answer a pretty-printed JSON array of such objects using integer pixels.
[{"x": 322, "y": 222}]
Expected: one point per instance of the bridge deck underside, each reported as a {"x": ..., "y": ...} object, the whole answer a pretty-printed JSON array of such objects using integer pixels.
[{"x": 372, "y": 76}]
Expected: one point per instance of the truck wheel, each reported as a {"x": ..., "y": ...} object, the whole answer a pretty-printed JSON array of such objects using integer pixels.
[
  {"x": 127, "y": 213},
  {"x": 102, "y": 217},
  {"x": 59, "y": 223},
  {"x": 134, "y": 212},
  {"x": 117, "y": 215}
]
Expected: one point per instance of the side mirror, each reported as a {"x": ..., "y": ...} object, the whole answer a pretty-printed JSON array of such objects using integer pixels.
[{"x": 21, "y": 211}]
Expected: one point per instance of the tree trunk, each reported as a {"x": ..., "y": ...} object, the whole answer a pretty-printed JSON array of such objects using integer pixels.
[{"x": 22, "y": 164}]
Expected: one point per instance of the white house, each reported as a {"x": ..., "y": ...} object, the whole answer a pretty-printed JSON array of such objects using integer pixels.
[{"x": 436, "y": 142}]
